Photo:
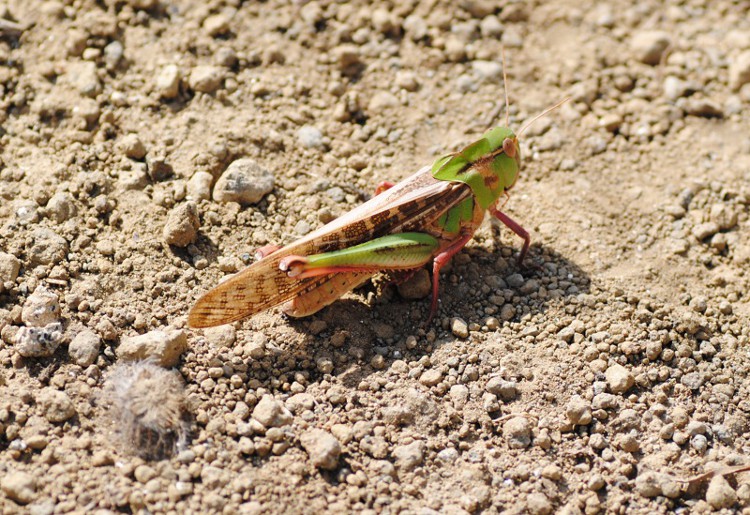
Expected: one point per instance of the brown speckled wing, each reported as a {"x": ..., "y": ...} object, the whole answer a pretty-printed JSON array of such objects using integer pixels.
[{"x": 409, "y": 205}]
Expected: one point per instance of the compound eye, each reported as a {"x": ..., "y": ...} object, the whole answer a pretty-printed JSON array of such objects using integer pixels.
[{"x": 509, "y": 147}]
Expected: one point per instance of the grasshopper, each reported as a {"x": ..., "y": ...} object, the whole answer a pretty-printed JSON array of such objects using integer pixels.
[{"x": 429, "y": 216}]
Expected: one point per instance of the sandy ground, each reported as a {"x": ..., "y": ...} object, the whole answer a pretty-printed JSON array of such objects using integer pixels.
[{"x": 593, "y": 380}]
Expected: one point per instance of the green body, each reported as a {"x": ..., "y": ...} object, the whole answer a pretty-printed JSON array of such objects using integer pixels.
[{"x": 484, "y": 166}]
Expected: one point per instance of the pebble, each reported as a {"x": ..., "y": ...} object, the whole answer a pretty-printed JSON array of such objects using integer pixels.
[
  {"x": 310, "y": 136},
  {"x": 84, "y": 349},
  {"x": 619, "y": 378},
  {"x": 38, "y": 342},
  {"x": 491, "y": 27},
  {"x": 459, "y": 394},
  {"x": 271, "y": 413},
  {"x": 538, "y": 504},
  {"x": 381, "y": 101},
  {"x": 704, "y": 107},
  {"x": 693, "y": 380},
  {"x": 699, "y": 443},
  {"x": 459, "y": 328},
  {"x": 448, "y": 455},
  {"x": 82, "y": 75},
  {"x": 705, "y": 230},
  {"x": 47, "y": 248},
  {"x": 216, "y": 24},
  {"x": 505, "y": 390},
  {"x": 10, "y": 266},
  {"x": 348, "y": 59},
  {"x": 407, "y": 80},
  {"x": 418, "y": 286},
  {"x": 739, "y": 71},
  {"x": 723, "y": 216},
  {"x": 132, "y": 146},
  {"x": 517, "y": 431},
  {"x": 720, "y": 495},
  {"x": 431, "y": 377},
  {"x": 206, "y": 78},
  {"x": 19, "y": 487},
  {"x": 578, "y": 411},
  {"x": 41, "y": 308},
  {"x": 167, "y": 83},
  {"x": 61, "y": 207},
  {"x": 244, "y": 181},
  {"x": 322, "y": 447},
  {"x": 507, "y": 312},
  {"x": 409, "y": 456},
  {"x": 163, "y": 346},
  {"x": 647, "y": 484},
  {"x": 199, "y": 186},
  {"x": 113, "y": 53},
  {"x": 515, "y": 280},
  {"x": 56, "y": 405},
  {"x": 490, "y": 71},
  {"x": 648, "y": 46},
  {"x": 182, "y": 225}
]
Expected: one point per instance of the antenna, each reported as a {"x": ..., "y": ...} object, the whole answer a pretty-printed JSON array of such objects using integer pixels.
[
  {"x": 543, "y": 113},
  {"x": 505, "y": 87}
]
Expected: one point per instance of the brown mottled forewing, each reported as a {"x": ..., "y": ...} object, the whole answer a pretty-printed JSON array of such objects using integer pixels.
[{"x": 409, "y": 205}]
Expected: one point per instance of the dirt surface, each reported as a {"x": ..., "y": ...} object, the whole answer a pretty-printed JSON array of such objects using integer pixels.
[{"x": 591, "y": 380}]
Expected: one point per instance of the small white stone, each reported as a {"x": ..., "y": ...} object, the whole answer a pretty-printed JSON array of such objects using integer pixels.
[
  {"x": 409, "y": 456},
  {"x": 182, "y": 225},
  {"x": 206, "y": 78},
  {"x": 648, "y": 46},
  {"x": 310, "y": 136},
  {"x": 517, "y": 431},
  {"x": 720, "y": 494},
  {"x": 739, "y": 70}
]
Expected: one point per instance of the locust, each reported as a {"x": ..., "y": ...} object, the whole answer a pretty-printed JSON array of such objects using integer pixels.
[{"x": 426, "y": 218}]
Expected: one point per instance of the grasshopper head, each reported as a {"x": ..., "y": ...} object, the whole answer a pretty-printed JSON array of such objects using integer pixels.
[{"x": 506, "y": 155}]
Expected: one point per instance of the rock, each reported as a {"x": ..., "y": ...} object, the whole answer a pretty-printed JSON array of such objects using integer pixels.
[
  {"x": 739, "y": 70},
  {"x": 723, "y": 216},
  {"x": 459, "y": 328},
  {"x": 431, "y": 377},
  {"x": 182, "y": 225},
  {"x": 10, "y": 266},
  {"x": 61, "y": 207},
  {"x": 199, "y": 186},
  {"x": 648, "y": 46},
  {"x": 206, "y": 78},
  {"x": 271, "y": 413},
  {"x": 41, "y": 308},
  {"x": 47, "y": 248},
  {"x": 348, "y": 59},
  {"x": 20, "y": 487},
  {"x": 82, "y": 75},
  {"x": 216, "y": 24},
  {"x": 490, "y": 27},
  {"x": 675, "y": 88},
  {"x": 407, "y": 80},
  {"x": 647, "y": 484},
  {"x": 489, "y": 71},
  {"x": 322, "y": 447},
  {"x": 163, "y": 346},
  {"x": 506, "y": 390},
  {"x": 56, "y": 405},
  {"x": 720, "y": 494},
  {"x": 244, "y": 181},
  {"x": 705, "y": 230},
  {"x": 310, "y": 136},
  {"x": 418, "y": 286},
  {"x": 578, "y": 411},
  {"x": 38, "y": 342},
  {"x": 132, "y": 146},
  {"x": 409, "y": 456},
  {"x": 515, "y": 280},
  {"x": 381, "y": 101},
  {"x": 703, "y": 107},
  {"x": 84, "y": 349},
  {"x": 619, "y": 378},
  {"x": 168, "y": 81},
  {"x": 538, "y": 504},
  {"x": 517, "y": 431}
]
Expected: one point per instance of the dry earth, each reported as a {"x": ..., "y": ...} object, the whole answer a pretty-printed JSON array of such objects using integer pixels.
[{"x": 593, "y": 380}]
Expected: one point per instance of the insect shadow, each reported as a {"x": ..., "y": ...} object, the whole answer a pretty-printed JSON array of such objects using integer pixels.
[{"x": 479, "y": 285}]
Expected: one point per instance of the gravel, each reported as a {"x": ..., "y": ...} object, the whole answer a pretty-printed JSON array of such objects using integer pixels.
[{"x": 245, "y": 181}]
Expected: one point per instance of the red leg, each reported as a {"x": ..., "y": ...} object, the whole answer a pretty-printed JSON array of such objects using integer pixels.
[
  {"x": 265, "y": 250},
  {"x": 438, "y": 263},
  {"x": 385, "y": 185},
  {"x": 516, "y": 228}
]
